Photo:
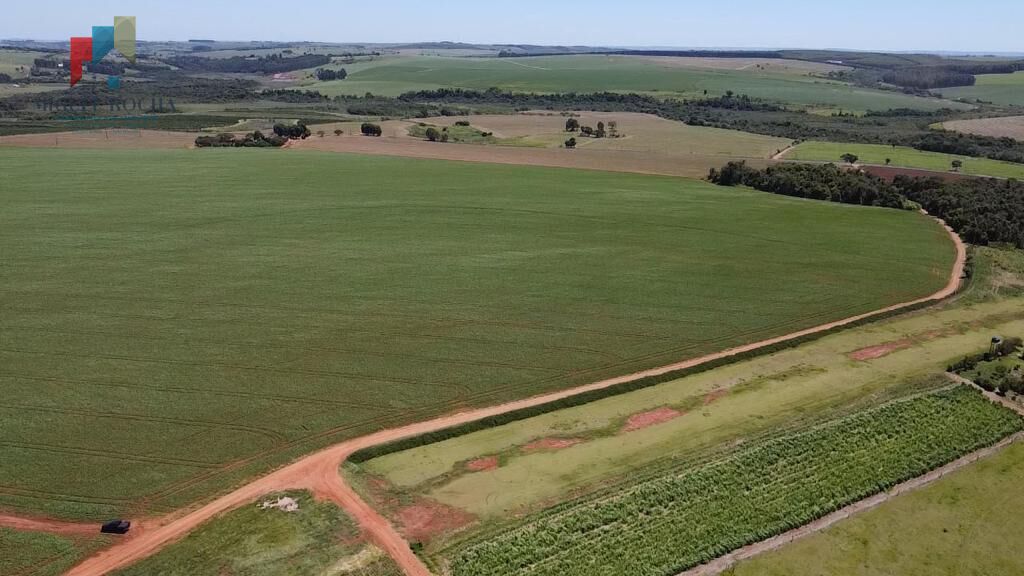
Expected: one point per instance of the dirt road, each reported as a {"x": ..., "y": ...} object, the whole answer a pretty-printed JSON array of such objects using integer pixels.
[
  {"x": 319, "y": 472},
  {"x": 49, "y": 526}
]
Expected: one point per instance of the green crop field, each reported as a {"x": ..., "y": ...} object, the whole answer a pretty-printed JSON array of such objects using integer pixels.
[
  {"x": 318, "y": 538},
  {"x": 962, "y": 524},
  {"x": 393, "y": 76},
  {"x": 40, "y": 554},
  {"x": 904, "y": 157},
  {"x": 177, "y": 321},
  {"x": 662, "y": 526},
  {"x": 1007, "y": 89}
]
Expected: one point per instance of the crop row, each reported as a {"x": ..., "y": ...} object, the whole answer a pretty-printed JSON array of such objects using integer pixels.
[{"x": 668, "y": 524}]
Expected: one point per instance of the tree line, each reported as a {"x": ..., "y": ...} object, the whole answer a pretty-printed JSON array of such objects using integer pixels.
[
  {"x": 273, "y": 64},
  {"x": 326, "y": 74},
  {"x": 981, "y": 210}
]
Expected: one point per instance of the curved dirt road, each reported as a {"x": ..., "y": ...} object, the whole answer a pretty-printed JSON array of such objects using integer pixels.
[{"x": 319, "y": 472}]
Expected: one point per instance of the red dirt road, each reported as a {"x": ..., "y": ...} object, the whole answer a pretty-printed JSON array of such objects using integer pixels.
[
  {"x": 49, "y": 526},
  {"x": 319, "y": 472}
]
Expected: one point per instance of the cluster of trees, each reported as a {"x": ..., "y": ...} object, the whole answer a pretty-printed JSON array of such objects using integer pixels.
[
  {"x": 294, "y": 96},
  {"x": 5, "y": 78},
  {"x": 982, "y": 211},
  {"x": 107, "y": 67},
  {"x": 602, "y": 131},
  {"x": 818, "y": 182},
  {"x": 928, "y": 77},
  {"x": 371, "y": 129},
  {"x": 297, "y": 131},
  {"x": 326, "y": 74},
  {"x": 1001, "y": 379},
  {"x": 435, "y": 135},
  {"x": 251, "y": 140},
  {"x": 1005, "y": 149},
  {"x": 273, "y": 64},
  {"x": 598, "y": 101},
  {"x": 947, "y": 75}
]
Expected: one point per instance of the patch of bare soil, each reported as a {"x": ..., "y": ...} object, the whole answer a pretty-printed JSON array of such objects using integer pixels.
[
  {"x": 428, "y": 518},
  {"x": 891, "y": 172},
  {"x": 482, "y": 464},
  {"x": 873, "y": 352},
  {"x": 715, "y": 395},
  {"x": 651, "y": 418},
  {"x": 545, "y": 444}
]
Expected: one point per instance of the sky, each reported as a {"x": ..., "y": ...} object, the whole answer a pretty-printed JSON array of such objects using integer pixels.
[{"x": 891, "y": 25}]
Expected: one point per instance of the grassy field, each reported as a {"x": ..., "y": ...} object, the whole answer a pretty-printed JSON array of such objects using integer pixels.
[
  {"x": 17, "y": 63},
  {"x": 904, "y": 157},
  {"x": 393, "y": 76},
  {"x": 715, "y": 408},
  {"x": 649, "y": 144},
  {"x": 1003, "y": 127},
  {"x": 318, "y": 538},
  {"x": 689, "y": 516},
  {"x": 190, "y": 318},
  {"x": 1005, "y": 89},
  {"x": 40, "y": 554},
  {"x": 961, "y": 525},
  {"x": 640, "y": 133}
]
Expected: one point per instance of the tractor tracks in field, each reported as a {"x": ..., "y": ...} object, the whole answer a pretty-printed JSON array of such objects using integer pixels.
[{"x": 320, "y": 472}]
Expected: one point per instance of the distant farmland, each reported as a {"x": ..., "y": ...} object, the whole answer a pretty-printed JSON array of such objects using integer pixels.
[
  {"x": 393, "y": 76},
  {"x": 1007, "y": 89},
  {"x": 194, "y": 317},
  {"x": 904, "y": 157}
]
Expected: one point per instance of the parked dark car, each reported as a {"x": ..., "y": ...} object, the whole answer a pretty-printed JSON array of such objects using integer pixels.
[{"x": 116, "y": 527}]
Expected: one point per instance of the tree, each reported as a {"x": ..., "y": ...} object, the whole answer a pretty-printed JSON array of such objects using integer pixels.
[
  {"x": 339, "y": 132},
  {"x": 586, "y": 130},
  {"x": 444, "y": 136},
  {"x": 570, "y": 143},
  {"x": 432, "y": 134},
  {"x": 613, "y": 129},
  {"x": 888, "y": 161},
  {"x": 297, "y": 131},
  {"x": 849, "y": 158},
  {"x": 572, "y": 125},
  {"x": 600, "y": 132},
  {"x": 320, "y": 133},
  {"x": 957, "y": 165},
  {"x": 369, "y": 129}
]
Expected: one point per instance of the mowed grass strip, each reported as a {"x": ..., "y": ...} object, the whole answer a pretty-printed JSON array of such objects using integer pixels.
[
  {"x": 962, "y": 524},
  {"x": 191, "y": 318},
  {"x": 663, "y": 526},
  {"x": 317, "y": 538},
  {"x": 904, "y": 157}
]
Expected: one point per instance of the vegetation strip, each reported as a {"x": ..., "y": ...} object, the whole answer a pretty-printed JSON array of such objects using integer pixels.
[{"x": 668, "y": 524}]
